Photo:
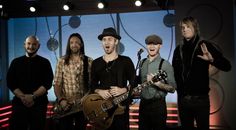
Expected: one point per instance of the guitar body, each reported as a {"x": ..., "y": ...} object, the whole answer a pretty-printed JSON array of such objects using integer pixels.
[{"x": 100, "y": 112}]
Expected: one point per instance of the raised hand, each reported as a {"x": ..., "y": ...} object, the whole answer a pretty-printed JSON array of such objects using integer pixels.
[{"x": 206, "y": 54}]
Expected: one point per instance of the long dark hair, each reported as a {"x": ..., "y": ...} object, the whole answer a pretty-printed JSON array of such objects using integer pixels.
[
  {"x": 68, "y": 50},
  {"x": 84, "y": 58}
]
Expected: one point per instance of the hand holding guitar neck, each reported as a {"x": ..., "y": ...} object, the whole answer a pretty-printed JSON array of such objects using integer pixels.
[{"x": 70, "y": 108}]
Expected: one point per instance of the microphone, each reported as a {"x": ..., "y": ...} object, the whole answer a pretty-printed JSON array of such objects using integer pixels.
[{"x": 140, "y": 51}]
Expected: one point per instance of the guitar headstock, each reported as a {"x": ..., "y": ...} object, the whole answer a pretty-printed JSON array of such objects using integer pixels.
[{"x": 161, "y": 75}]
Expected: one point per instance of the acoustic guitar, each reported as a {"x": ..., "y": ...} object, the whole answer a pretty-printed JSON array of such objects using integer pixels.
[{"x": 100, "y": 112}]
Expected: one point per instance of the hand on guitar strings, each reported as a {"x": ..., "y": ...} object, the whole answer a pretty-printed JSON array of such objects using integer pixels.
[
  {"x": 112, "y": 92},
  {"x": 105, "y": 94},
  {"x": 116, "y": 91}
]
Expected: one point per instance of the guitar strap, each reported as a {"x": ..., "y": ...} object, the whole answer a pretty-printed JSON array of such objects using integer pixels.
[
  {"x": 138, "y": 78},
  {"x": 160, "y": 65}
]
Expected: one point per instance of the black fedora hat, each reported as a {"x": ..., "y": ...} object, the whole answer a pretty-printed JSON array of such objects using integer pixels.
[{"x": 109, "y": 32}]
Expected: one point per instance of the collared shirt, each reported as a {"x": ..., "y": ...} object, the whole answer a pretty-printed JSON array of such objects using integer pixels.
[
  {"x": 149, "y": 67},
  {"x": 70, "y": 78}
]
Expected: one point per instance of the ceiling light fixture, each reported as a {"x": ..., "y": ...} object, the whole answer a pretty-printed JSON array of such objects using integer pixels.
[
  {"x": 3, "y": 13},
  {"x": 32, "y": 9},
  {"x": 101, "y": 4},
  {"x": 138, "y": 3},
  {"x": 67, "y": 6}
]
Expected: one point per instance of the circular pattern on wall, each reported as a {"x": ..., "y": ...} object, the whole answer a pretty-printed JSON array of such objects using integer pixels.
[
  {"x": 217, "y": 96},
  {"x": 74, "y": 21},
  {"x": 210, "y": 20},
  {"x": 169, "y": 20},
  {"x": 121, "y": 48},
  {"x": 52, "y": 44}
]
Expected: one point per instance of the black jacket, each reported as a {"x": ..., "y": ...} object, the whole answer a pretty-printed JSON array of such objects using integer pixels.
[{"x": 192, "y": 72}]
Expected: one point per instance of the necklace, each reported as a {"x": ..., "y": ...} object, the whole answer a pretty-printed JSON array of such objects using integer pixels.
[
  {"x": 109, "y": 62},
  {"x": 109, "y": 65}
]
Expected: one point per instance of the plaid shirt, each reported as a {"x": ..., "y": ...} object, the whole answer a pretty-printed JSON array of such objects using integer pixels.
[{"x": 70, "y": 78}]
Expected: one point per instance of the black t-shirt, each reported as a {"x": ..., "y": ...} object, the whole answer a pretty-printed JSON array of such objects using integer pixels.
[{"x": 114, "y": 73}]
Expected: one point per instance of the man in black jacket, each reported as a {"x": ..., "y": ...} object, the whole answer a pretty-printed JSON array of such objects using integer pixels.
[
  {"x": 191, "y": 61},
  {"x": 29, "y": 78}
]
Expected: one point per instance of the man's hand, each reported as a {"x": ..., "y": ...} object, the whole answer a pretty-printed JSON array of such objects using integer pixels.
[
  {"x": 105, "y": 94},
  {"x": 149, "y": 77},
  {"x": 116, "y": 91},
  {"x": 27, "y": 100},
  {"x": 206, "y": 54}
]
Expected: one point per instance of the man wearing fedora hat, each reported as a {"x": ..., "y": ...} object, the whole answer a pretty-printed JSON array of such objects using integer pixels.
[
  {"x": 110, "y": 74},
  {"x": 152, "y": 108}
]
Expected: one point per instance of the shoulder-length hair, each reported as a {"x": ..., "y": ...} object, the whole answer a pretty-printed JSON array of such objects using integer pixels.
[
  {"x": 68, "y": 50},
  {"x": 189, "y": 20}
]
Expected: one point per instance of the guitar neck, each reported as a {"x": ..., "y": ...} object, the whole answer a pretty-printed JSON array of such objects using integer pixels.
[
  {"x": 161, "y": 75},
  {"x": 120, "y": 98},
  {"x": 124, "y": 96},
  {"x": 141, "y": 86}
]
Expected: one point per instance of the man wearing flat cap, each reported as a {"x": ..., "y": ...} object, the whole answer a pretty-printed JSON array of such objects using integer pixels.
[
  {"x": 110, "y": 74},
  {"x": 152, "y": 108}
]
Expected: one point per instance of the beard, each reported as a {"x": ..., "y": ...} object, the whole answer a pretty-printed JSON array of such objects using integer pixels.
[
  {"x": 75, "y": 51},
  {"x": 30, "y": 54}
]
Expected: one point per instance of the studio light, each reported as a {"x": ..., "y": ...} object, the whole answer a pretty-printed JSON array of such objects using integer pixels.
[
  {"x": 101, "y": 4},
  {"x": 138, "y": 3},
  {"x": 32, "y": 9},
  {"x": 3, "y": 13},
  {"x": 1, "y": 8},
  {"x": 67, "y": 6}
]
